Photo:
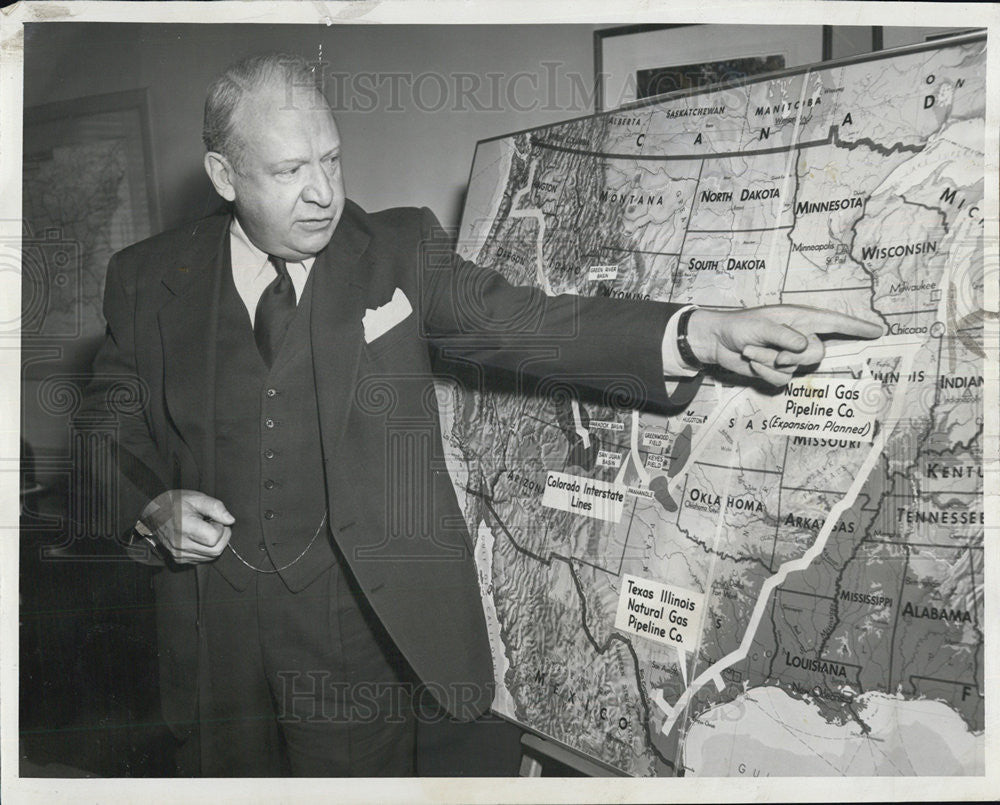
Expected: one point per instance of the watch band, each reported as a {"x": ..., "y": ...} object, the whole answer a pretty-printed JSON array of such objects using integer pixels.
[
  {"x": 683, "y": 345},
  {"x": 141, "y": 533}
]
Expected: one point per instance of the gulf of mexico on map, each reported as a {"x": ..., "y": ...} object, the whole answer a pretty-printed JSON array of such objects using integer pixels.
[{"x": 823, "y": 546}]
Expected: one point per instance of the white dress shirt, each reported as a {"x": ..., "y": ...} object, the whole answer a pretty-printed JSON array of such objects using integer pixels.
[{"x": 253, "y": 272}]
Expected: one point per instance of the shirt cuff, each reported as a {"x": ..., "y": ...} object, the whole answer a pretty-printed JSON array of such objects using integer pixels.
[{"x": 673, "y": 363}]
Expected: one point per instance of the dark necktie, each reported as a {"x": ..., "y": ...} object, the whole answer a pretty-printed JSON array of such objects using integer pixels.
[{"x": 274, "y": 312}]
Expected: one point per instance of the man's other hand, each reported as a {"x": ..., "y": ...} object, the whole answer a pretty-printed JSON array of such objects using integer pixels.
[
  {"x": 771, "y": 343},
  {"x": 190, "y": 525}
]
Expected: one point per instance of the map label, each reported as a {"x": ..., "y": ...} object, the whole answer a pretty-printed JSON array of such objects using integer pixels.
[
  {"x": 659, "y": 612},
  {"x": 655, "y": 439},
  {"x": 654, "y": 461},
  {"x": 602, "y": 273},
  {"x": 577, "y": 494},
  {"x": 608, "y": 458},
  {"x": 824, "y": 407},
  {"x": 604, "y": 424}
]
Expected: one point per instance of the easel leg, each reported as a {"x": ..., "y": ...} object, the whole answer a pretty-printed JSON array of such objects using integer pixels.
[{"x": 530, "y": 767}]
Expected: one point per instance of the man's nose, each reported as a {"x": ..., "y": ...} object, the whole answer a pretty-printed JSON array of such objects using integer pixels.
[{"x": 318, "y": 188}]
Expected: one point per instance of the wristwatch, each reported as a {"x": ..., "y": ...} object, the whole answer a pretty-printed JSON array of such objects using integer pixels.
[
  {"x": 140, "y": 533},
  {"x": 683, "y": 345}
]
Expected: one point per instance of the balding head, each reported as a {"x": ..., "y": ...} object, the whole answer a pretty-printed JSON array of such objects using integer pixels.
[
  {"x": 274, "y": 152},
  {"x": 253, "y": 76}
]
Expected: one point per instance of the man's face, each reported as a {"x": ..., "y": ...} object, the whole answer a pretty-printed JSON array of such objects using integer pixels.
[{"x": 288, "y": 187}]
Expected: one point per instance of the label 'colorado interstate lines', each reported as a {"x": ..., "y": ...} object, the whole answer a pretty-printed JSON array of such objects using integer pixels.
[{"x": 590, "y": 497}]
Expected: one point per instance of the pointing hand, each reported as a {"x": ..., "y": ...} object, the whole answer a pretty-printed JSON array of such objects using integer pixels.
[{"x": 771, "y": 343}]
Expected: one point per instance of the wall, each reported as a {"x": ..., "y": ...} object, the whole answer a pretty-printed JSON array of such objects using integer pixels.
[{"x": 392, "y": 157}]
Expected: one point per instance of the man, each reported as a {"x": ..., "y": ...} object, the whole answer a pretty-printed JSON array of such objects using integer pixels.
[{"x": 315, "y": 581}]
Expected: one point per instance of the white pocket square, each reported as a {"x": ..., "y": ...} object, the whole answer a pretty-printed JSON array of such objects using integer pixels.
[{"x": 378, "y": 321}]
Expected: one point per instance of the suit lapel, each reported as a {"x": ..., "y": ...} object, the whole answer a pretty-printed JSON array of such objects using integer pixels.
[
  {"x": 188, "y": 325},
  {"x": 341, "y": 275}
]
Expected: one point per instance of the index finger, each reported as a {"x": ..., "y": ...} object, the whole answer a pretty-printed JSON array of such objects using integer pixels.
[{"x": 830, "y": 322}]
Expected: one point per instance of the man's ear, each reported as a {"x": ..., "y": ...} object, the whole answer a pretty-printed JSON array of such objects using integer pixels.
[{"x": 220, "y": 172}]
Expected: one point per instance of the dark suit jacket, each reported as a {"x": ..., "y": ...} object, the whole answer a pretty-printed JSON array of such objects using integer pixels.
[{"x": 396, "y": 522}]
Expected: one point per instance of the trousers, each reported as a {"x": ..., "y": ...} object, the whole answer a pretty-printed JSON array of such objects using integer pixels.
[{"x": 306, "y": 684}]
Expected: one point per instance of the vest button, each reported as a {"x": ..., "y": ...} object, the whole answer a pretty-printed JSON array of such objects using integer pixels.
[
  {"x": 269, "y": 423},
  {"x": 270, "y": 514},
  {"x": 261, "y": 547},
  {"x": 272, "y": 392},
  {"x": 269, "y": 484},
  {"x": 269, "y": 453}
]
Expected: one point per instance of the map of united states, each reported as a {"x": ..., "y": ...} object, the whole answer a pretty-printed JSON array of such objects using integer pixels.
[{"x": 763, "y": 584}]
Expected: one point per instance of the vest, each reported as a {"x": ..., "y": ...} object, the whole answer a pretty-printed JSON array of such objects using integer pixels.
[{"x": 268, "y": 457}]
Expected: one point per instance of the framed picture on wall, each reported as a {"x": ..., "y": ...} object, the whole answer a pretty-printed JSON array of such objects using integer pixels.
[
  {"x": 894, "y": 36},
  {"x": 635, "y": 62},
  {"x": 88, "y": 190}
]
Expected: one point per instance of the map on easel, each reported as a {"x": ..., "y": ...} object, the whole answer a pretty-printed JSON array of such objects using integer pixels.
[{"x": 784, "y": 584}]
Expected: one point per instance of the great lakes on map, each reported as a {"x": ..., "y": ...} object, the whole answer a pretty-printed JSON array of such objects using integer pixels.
[{"x": 762, "y": 584}]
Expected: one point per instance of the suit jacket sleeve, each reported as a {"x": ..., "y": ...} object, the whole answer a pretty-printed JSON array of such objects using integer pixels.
[
  {"x": 122, "y": 474},
  {"x": 609, "y": 350}
]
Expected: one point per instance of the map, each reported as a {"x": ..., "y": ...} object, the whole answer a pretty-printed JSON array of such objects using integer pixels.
[
  {"x": 765, "y": 583},
  {"x": 84, "y": 195}
]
